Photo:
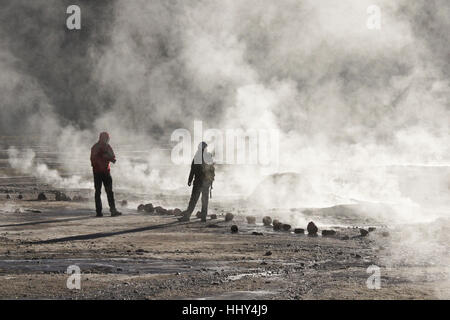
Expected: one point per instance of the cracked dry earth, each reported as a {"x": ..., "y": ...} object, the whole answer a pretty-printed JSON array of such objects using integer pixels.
[{"x": 143, "y": 256}]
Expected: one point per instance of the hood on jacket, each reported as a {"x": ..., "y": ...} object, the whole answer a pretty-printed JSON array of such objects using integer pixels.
[{"x": 104, "y": 137}]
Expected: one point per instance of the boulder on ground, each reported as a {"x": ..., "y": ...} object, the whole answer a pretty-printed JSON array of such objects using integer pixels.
[
  {"x": 251, "y": 220},
  {"x": 372, "y": 229},
  {"x": 177, "y": 212},
  {"x": 140, "y": 208},
  {"x": 61, "y": 196},
  {"x": 79, "y": 198},
  {"x": 267, "y": 221},
  {"x": 42, "y": 197},
  {"x": 20, "y": 197},
  {"x": 124, "y": 203},
  {"x": 312, "y": 228},
  {"x": 8, "y": 196},
  {"x": 213, "y": 216},
  {"x": 299, "y": 230},
  {"x": 229, "y": 216},
  {"x": 18, "y": 210},
  {"x": 149, "y": 208},
  {"x": 345, "y": 238},
  {"x": 277, "y": 225},
  {"x": 234, "y": 228},
  {"x": 198, "y": 214},
  {"x": 257, "y": 233},
  {"x": 328, "y": 233},
  {"x": 170, "y": 211},
  {"x": 160, "y": 210},
  {"x": 363, "y": 232},
  {"x": 286, "y": 227}
]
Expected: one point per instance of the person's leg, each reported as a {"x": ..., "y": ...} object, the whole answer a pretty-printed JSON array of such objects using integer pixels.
[
  {"x": 98, "y": 191},
  {"x": 196, "y": 190},
  {"x": 107, "y": 181},
  {"x": 205, "y": 199}
]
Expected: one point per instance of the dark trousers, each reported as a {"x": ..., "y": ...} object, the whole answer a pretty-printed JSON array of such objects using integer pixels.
[
  {"x": 197, "y": 189},
  {"x": 106, "y": 180}
]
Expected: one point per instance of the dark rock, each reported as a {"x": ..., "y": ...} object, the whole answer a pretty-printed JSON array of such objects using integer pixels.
[
  {"x": 299, "y": 230},
  {"x": 277, "y": 225},
  {"x": 149, "y": 208},
  {"x": 8, "y": 196},
  {"x": 251, "y": 220},
  {"x": 328, "y": 233},
  {"x": 198, "y": 214},
  {"x": 61, "y": 196},
  {"x": 363, "y": 232},
  {"x": 42, "y": 197},
  {"x": 268, "y": 253},
  {"x": 345, "y": 238},
  {"x": 257, "y": 233},
  {"x": 213, "y": 216},
  {"x": 177, "y": 212},
  {"x": 124, "y": 203},
  {"x": 140, "y": 208},
  {"x": 229, "y": 216},
  {"x": 312, "y": 228},
  {"x": 234, "y": 228},
  {"x": 267, "y": 221},
  {"x": 160, "y": 210},
  {"x": 372, "y": 229},
  {"x": 20, "y": 197},
  {"x": 79, "y": 198},
  {"x": 286, "y": 227}
]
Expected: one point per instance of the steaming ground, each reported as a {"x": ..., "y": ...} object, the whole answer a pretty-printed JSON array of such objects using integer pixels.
[{"x": 149, "y": 256}]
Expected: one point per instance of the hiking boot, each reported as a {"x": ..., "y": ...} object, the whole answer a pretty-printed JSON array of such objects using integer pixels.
[
  {"x": 115, "y": 213},
  {"x": 99, "y": 215}
]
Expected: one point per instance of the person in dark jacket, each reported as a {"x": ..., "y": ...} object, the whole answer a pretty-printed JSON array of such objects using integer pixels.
[
  {"x": 101, "y": 156},
  {"x": 202, "y": 172}
]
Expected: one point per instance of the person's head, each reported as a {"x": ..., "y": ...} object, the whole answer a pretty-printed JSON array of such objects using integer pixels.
[
  {"x": 104, "y": 137},
  {"x": 202, "y": 146}
]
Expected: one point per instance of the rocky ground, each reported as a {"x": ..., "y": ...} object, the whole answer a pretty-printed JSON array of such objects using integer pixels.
[{"x": 142, "y": 255}]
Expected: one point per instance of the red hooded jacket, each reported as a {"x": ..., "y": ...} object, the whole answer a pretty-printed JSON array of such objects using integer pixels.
[{"x": 102, "y": 154}]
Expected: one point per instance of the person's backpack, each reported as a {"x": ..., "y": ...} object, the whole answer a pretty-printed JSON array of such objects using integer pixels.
[{"x": 209, "y": 172}]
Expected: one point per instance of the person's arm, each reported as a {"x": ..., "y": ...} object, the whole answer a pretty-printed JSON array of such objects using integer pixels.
[
  {"x": 109, "y": 154},
  {"x": 191, "y": 174}
]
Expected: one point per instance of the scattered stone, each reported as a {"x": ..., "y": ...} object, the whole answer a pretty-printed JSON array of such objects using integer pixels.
[
  {"x": 79, "y": 198},
  {"x": 268, "y": 253},
  {"x": 251, "y": 220},
  {"x": 234, "y": 228},
  {"x": 124, "y": 203},
  {"x": 61, "y": 196},
  {"x": 372, "y": 229},
  {"x": 312, "y": 228},
  {"x": 149, "y": 208},
  {"x": 18, "y": 210},
  {"x": 328, "y": 233},
  {"x": 267, "y": 221},
  {"x": 299, "y": 231},
  {"x": 42, "y": 197},
  {"x": 213, "y": 216},
  {"x": 160, "y": 210},
  {"x": 177, "y": 212},
  {"x": 257, "y": 233},
  {"x": 277, "y": 225},
  {"x": 20, "y": 197},
  {"x": 363, "y": 232},
  {"x": 140, "y": 208},
  {"x": 385, "y": 234},
  {"x": 345, "y": 238},
  {"x": 8, "y": 196},
  {"x": 286, "y": 227},
  {"x": 229, "y": 216}
]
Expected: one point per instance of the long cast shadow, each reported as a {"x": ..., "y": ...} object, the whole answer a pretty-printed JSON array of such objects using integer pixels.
[
  {"x": 105, "y": 234},
  {"x": 43, "y": 222}
]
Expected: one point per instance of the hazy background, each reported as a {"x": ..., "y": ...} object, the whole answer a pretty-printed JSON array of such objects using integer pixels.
[{"x": 353, "y": 106}]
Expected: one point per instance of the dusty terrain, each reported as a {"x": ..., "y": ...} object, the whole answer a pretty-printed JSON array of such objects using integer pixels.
[{"x": 149, "y": 256}]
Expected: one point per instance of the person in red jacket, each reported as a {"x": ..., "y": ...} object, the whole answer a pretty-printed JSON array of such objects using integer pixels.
[{"x": 101, "y": 156}]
